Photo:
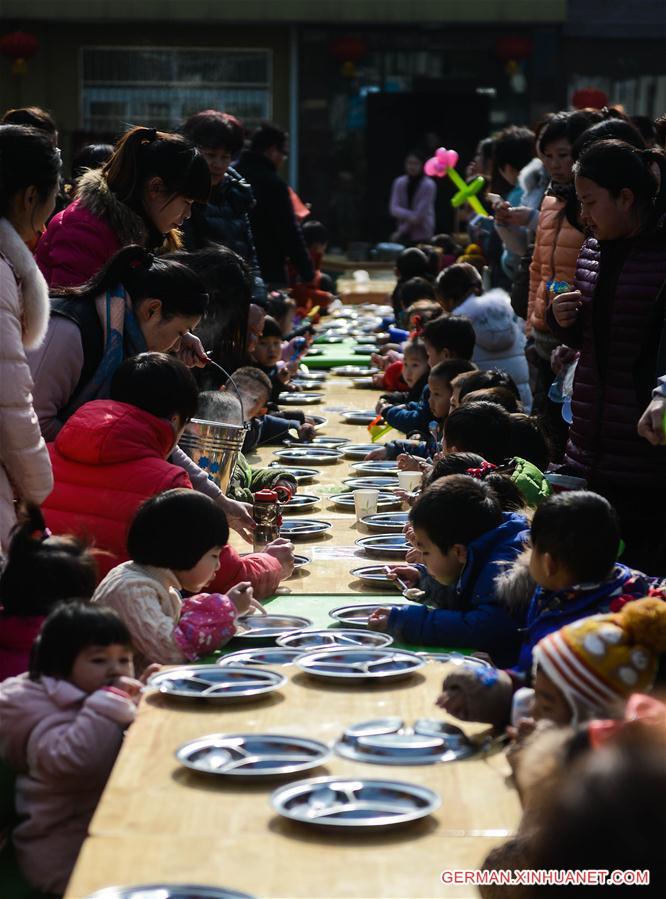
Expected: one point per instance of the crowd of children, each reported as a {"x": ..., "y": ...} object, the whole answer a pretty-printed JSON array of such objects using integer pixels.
[{"x": 115, "y": 543}]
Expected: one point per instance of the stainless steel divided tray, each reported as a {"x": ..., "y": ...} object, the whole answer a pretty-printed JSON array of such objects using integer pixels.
[
  {"x": 302, "y": 528},
  {"x": 317, "y": 454},
  {"x": 374, "y": 483},
  {"x": 384, "y": 501},
  {"x": 252, "y": 755},
  {"x": 329, "y": 338},
  {"x": 388, "y": 741},
  {"x": 354, "y": 802},
  {"x": 212, "y": 682},
  {"x": 360, "y": 665},
  {"x": 259, "y": 627},
  {"x": 307, "y": 640},
  {"x": 358, "y": 450},
  {"x": 299, "y": 398},
  {"x": 302, "y": 502},
  {"x": 302, "y": 475},
  {"x": 375, "y": 576},
  {"x": 318, "y": 376},
  {"x": 271, "y": 655},
  {"x": 353, "y": 371},
  {"x": 168, "y": 891},
  {"x": 313, "y": 351},
  {"x": 376, "y": 466},
  {"x": 363, "y": 383},
  {"x": 365, "y": 349},
  {"x": 319, "y": 421},
  {"x": 386, "y": 521},
  {"x": 301, "y": 561},
  {"x": 359, "y": 418},
  {"x": 331, "y": 442},
  {"x": 358, "y": 615},
  {"x": 382, "y": 545}
]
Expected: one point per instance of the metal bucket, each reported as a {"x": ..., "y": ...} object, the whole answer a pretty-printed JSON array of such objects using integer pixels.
[{"x": 215, "y": 447}]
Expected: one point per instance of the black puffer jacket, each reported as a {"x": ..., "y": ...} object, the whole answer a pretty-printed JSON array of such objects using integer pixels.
[
  {"x": 225, "y": 220},
  {"x": 277, "y": 234}
]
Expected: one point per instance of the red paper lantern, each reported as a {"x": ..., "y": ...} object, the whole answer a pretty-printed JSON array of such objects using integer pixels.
[
  {"x": 513, "y": 46},
  {"x": 19, "y": 46},
  {"x": 589, "y": 98},
  {"x": 349, "y": 49}
]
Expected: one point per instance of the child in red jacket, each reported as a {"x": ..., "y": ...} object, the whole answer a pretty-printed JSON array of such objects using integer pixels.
[
  {"x": 111, "y": 455},
  {"x": 40, "y": 570}
]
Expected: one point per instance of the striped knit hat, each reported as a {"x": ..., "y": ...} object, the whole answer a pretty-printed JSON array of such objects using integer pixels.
[{"x": 598, "y": 662}]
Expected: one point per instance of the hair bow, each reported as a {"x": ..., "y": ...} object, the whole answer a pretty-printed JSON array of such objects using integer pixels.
[{"x": 480, "y": 472}]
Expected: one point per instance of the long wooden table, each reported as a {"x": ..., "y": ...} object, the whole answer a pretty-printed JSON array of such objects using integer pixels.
[{"x": 159, "y": 822}]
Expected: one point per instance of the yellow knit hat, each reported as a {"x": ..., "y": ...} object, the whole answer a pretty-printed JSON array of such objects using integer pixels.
[{"x": 598, "y": 660}]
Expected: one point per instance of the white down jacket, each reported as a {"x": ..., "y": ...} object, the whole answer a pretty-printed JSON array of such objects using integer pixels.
[
  {"x": 500, "y": 340},
  {"x": 25, "y": 468}
]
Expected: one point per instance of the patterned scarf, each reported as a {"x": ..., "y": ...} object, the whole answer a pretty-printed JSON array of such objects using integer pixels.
[{"x": 122, "y": 338}]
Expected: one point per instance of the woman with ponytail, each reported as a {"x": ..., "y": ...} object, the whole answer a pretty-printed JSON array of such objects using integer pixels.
[
  {"x": 138, "y": 303},
  {"x": 29, "y": 173},
  {"x": 41, "y": 570},
  {"x": 142, "y": 195},
  {"x": 614, "y": 317}
]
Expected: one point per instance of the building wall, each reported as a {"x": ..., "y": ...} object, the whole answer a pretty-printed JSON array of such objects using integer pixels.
[{"x": 53, "y": 76}]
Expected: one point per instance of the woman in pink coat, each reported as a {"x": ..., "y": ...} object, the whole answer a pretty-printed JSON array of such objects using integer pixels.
[
  {"x": 61, "y": 728},
  {"x": 141, "y": 195},
  {"x": 29, "y": 170},
  {"x": 413, "y": 203}
]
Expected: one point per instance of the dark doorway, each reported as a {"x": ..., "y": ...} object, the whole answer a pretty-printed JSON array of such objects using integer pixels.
[{"x": 423, "y": 120}]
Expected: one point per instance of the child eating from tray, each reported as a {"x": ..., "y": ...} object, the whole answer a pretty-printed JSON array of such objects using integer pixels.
[
  {"x": 254, "y": 387},
  {"x": 575, "y": 539},
  {"x": 462, "y": 533},
  {"x": 174, "y": 543}
]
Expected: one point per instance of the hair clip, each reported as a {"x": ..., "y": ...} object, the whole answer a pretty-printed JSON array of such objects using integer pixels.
[{"x": 480, "y": 472}]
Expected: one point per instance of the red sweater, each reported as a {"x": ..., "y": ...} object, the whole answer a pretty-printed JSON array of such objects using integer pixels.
[{"x": 108, "y": 458}]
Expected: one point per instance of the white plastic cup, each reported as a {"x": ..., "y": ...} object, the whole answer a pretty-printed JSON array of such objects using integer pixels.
[
  {"x": 409, "y": 480},
  {"x": 365, "y": 502}
]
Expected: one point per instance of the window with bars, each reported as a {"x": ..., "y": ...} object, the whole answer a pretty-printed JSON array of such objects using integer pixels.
[{"x": 160, "y": 87}]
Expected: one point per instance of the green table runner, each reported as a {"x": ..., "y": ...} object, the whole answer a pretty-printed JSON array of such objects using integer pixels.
[
  {"x": 336, "y": 354},
  {"x": 316, "y": 607}
]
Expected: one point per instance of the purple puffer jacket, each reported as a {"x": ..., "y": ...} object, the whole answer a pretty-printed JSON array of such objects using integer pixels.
[{"x": 609, "y": 398}]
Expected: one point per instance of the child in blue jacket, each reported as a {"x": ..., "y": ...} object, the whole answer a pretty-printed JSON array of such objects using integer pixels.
[
  {"x": 464, "y": 538},
  {"x": 575, "y": 540},
  {"x": 439, "y": 402},
  {"x": 445, "y": 338}
]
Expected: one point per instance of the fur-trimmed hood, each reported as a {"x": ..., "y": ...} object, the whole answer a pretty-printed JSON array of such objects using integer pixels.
[
  {"x": 94, "y": 194},
  {"x": 31, "y": 284},
  {"x": 514, "y": 587}
]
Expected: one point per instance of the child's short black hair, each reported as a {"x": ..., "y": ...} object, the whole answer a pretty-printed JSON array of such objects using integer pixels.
[
  {"x": 415, "y": 347},
  {"x": 70, "y": 628},
  {"x": 483, "y": 428},
  {"x": 278, "y": 304},
  {"x": 42, "y": 570},
  {"x": 252, "y": 380},
  {"x": 412, "y": 263},
  {"x": 271, "y": 328},
  {"x": 529, "y": 440},
  {"x": 581, "y": 530},
  {"x": 314, "y": 232},
  {"x": 449, "y": 369},
  {"x": 456, "y": 509},
  {"x": 156, "y": 383},
  {"x": 494, "y": 377},
  {"x": 453, "y": 463},
  {"x": 175, "y": 529},
  {"x": 458, "y": 281},
  {"x": 500, "y": 395},
  {"x": 415, "y": 289},
  {"x": 451, "y": 332}
]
